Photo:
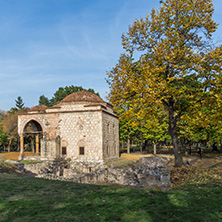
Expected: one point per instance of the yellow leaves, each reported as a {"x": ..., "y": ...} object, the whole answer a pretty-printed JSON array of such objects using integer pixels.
[{"x": 173, "y": 63}]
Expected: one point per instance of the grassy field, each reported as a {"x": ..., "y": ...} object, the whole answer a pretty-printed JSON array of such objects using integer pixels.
[{"x": 195, "y": 196}]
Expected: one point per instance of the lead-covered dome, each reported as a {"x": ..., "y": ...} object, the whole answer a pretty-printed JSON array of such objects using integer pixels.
[
  {"x": 83, "y": 96},
  {"x": 39, "y": 108}
]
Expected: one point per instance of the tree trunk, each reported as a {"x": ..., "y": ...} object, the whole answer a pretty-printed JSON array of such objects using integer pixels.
[
  {"x": 128, "y": 144},
  {"x": 18, "y": 147},
  {"x": 190, "y": 149},
  {"x": 9, "y": 145},
  {"x": 174, "y": 137},
  {"x": 141, "y": 147},
  {"x": 186, "y": 151},
  {"x": 221, "y": 146},
  {"x": 214, "y": 147},
  {"x": 141, "y": 143},
  {"x": 154, "y": 148}
]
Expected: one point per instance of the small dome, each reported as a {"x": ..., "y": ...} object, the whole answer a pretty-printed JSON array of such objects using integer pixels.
[
  {"x": 82, "y": 96},
  {"x": 39, "y": 108}
]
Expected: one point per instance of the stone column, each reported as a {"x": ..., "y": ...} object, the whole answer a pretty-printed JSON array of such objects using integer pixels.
[
  {"x": 37, "y": 144},
  {"x": 32, "y": 144},
  {"x": 21, "y": 156}
]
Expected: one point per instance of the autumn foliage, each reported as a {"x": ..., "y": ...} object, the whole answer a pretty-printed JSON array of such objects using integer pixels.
[{"x": 178, "y": 70}]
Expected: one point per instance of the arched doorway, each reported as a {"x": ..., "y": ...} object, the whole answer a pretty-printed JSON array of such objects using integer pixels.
[{"x": 32, "y": 134}]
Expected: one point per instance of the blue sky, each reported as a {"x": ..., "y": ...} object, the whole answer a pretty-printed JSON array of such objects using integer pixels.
[{"x": 46, "y": 44}]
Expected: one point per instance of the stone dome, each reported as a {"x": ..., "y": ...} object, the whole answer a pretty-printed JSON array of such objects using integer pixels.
[
  {"x": 83, "y": 96},
  {"x": 39, "y": 108}
]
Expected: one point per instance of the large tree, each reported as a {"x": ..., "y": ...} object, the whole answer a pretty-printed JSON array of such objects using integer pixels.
[
  {"x": 19, "y": 105},
  {"x": 204, "y": 123},
  {"x": 43, "y": 100},
  {"x": 154, "y": 128},
  {"x": 10, "y": 125},
  {"x": 178, "y": 64},
  {"x": 121, "y": 98}
]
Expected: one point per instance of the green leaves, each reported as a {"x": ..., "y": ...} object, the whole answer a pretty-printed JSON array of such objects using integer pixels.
[
  {"x": 43, "y": 100},
  {"x": 19, "y": 103},
  {"x": 3, "y": 138},
  {"x": 178, "y": 69},
  {"x": 61, "y": 93}
]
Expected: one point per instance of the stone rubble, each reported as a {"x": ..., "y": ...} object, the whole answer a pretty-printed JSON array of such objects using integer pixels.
[{"x": 149, "y": 172}]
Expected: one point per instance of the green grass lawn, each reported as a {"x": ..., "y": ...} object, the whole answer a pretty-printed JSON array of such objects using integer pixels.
[{"x": 32, "y": 199}]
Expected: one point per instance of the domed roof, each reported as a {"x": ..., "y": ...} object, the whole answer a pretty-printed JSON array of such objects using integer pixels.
[
  {"x": 39, "y": 108},
  {"x": 82, "y": 96}
]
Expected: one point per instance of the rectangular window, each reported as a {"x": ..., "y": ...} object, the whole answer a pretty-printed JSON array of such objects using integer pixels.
[
  {"x": 81, "y": 151},
  {"x": 63, "y": 150}
]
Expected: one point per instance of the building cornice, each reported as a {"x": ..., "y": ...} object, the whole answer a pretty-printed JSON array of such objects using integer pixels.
[{"x": 73, "y": 111}]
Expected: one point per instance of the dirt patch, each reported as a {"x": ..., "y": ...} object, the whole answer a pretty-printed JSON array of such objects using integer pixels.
[{"x": 13, "y": 155}]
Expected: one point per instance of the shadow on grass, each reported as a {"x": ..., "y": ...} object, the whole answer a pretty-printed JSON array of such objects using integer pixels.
[{"x": 30, "y": 199}]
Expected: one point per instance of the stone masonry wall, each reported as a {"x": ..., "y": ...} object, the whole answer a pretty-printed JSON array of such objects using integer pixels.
[
  {"x": 110, "y": 136},
  {"x": 82, "y": 129},
  {"x": 50, "y": 149},
  {"x": 92, "y": 127}
]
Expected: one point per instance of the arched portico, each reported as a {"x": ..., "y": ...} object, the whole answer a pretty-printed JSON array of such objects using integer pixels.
[{"x": 33, "y": 128}]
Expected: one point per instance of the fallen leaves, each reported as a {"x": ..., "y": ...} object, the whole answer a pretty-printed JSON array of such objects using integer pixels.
[{"x": 187, "y": 174}]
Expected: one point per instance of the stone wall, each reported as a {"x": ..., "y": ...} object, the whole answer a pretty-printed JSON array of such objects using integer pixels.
[
  {"x": 110, "y": 130},
  {"x": 150, "y": 172},
  {"x": 50, "y": 149},
  {"x": 138, "y": 176},
  {"x": 82, "y": 129}
]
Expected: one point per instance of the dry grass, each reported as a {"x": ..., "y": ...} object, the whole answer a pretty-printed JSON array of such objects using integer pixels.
[
  {"x": 188, "y": 174},
  {"x": 206, "y": 163},
  {"x": 121, "y": 162},
  {"x": 13, "y": 155},
  {"x": 134, "y": 156},
  {"x": 137, "y": 156}
]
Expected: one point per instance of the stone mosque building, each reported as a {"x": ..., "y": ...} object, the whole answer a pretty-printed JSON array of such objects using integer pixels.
[{"x": 82, "y": 127}]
